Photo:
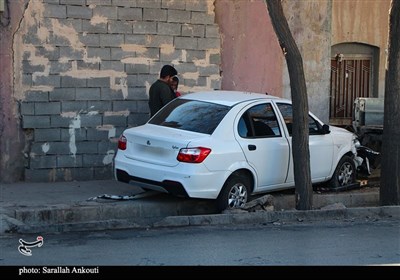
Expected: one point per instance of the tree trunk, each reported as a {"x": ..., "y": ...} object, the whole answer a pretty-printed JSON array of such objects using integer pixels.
[
  {"x": 390, "y": 169},
  {"x": 301, "y": 152}
]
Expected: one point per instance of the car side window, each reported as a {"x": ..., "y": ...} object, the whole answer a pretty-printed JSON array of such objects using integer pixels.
[
  {"x": 314, "y": 128},
  {"x": 287, "y": 114},
  {"x": 258, "y": 122}
]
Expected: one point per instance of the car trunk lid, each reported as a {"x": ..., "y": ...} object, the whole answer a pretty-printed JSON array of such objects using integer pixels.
[{"x": 157, "y": 144}]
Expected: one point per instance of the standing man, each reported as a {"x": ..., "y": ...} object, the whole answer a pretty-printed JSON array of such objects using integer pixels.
[{"x": 160, "y": 92}]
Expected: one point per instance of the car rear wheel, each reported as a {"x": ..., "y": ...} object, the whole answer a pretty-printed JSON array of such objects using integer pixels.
[
  {"x": 345, "y": 173},
  {"x": 234, "y": 193}
]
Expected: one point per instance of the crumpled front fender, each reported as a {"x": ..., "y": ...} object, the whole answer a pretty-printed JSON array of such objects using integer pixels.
[{"x": 367, "y": 160}]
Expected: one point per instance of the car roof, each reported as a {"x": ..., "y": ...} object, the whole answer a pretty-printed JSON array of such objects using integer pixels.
[{"x": 228, "y": 97}]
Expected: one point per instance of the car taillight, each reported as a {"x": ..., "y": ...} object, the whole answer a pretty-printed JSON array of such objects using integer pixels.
[
  {"x": 122, "y": 142},
  {"x": 193, "y": 155}
]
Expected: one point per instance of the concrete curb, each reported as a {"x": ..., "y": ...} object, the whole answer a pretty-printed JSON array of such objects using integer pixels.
[
  {"x": 165, "y": 211},
  {"x": 98, "y": 216},
  {"x": 259, "y": 217},
  {"x": 262, "y": 217}
]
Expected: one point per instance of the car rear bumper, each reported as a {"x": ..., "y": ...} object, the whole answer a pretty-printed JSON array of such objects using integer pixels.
[
  {"x": 171, "y": 187},
  {"x": 186, "y": 180}
]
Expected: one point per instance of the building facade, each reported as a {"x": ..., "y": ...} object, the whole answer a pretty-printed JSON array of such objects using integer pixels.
[{"x": 76, "y": 73}]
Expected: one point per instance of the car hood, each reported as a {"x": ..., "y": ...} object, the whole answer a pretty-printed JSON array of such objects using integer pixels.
[
  {"x": 339, "y": 130},
  {"x": 157, "y": 144},
  {"x": 342, "y": 136}
]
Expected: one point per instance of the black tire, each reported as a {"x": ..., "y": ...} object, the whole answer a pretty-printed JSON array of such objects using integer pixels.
[
  {"x": 345, "y": 173},
  {"x": 234, "y": 193}
]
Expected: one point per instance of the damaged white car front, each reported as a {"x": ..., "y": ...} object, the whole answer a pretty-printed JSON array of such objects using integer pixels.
[{"x": 366, "y": 159}]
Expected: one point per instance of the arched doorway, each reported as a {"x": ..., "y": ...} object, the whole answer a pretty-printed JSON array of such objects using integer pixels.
[{"x": 354, "y": 73}]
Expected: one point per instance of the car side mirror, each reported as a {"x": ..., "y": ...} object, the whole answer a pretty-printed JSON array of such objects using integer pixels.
[{"x": 325, "y": 129}]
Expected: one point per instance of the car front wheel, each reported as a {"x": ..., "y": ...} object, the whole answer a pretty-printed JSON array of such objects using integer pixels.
[
  {"x": 234, "y": 193},
  {"x": 345, "y": 173}
]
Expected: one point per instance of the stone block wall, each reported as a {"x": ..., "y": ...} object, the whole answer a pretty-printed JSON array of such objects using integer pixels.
[{"x": 82, "y": 70}]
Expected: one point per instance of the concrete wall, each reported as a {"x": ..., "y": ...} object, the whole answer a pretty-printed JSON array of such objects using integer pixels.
[
  {"x": 76, "y": 73},
  {"x": 251, "y": 56},
  {"x": 82, "y": 69},
  {"x": 252, "y": 59},
  {"x": 310, "y": 24},
  {"x": 12, "y": 137},
  {"x": 366, "y": 22}
]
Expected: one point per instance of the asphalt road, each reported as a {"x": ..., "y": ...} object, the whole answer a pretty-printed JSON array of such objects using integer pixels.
[{"x": 330, "y": 243}]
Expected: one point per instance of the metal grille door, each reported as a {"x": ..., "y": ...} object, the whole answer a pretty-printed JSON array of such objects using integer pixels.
[{"x": 350, "y": 78}]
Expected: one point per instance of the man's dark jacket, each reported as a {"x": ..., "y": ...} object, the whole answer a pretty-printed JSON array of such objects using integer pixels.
[{"x": 160, "y": 93}]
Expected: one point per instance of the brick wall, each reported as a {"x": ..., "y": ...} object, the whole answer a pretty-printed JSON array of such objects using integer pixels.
[{"x": 82, "y": 70}]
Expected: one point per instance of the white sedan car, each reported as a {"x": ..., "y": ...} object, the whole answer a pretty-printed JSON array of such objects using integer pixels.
[{"x": 227, "y": 145}]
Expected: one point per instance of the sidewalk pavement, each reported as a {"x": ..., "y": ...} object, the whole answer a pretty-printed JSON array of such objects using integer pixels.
[{"x": 98, "y": 205}]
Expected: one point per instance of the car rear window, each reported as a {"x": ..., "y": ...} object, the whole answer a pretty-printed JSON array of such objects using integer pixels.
[{"x": 191, "y": 115}]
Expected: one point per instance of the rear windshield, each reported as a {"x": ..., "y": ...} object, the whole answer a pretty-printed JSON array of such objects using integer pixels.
[{"x": 191, "y": 115}]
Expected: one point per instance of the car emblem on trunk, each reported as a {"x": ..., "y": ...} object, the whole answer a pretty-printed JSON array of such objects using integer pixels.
[{"x": 148, "y": 142}]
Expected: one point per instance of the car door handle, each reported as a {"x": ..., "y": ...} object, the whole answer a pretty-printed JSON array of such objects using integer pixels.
[{"x": 252, "y": 147}]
